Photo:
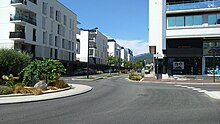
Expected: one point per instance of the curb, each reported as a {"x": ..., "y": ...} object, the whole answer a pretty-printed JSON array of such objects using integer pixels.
[
  {"x": 180, "y": 83},
  {"x": 78, "y": 89}
]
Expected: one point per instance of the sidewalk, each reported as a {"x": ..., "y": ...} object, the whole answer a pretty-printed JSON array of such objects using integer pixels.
[{"x": 75, "y": 90}]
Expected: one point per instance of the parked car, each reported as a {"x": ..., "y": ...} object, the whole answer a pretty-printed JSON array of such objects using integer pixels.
[{"x": 77, "y": 72}]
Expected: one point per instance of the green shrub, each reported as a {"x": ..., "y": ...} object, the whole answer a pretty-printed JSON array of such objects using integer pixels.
[
  {"x": 4, "y": 90},
  {"x": 51, "y": 83},
  {"x": 136, "y": 77},
  {"x": 124, "y": 71},
  {"x": 100, "y": 72},
  {"x": 10, "y": 84},
  {"x": 13, "y": 61},
  {"x": 20, "y": 85}
]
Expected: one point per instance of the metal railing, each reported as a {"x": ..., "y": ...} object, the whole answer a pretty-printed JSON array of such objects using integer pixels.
[
  {"x": 194, "y": 5},
  {"x": 17, "y": 35},
  {"x": 19, "y": 1},
  {"x": 18, "y": 17}
]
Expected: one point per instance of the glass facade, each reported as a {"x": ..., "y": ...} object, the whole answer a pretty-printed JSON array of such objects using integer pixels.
[
  {"x": 194, "y": 20},
  {"x": 187, "y": 5}
]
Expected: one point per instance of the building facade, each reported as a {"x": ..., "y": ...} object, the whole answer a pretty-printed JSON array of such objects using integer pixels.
[
  {"x": 97, "y": 44},
  {"x": 45, "y": 28},
  {"x": 114, "y": 49},
  {"x": 192, "y": 36},
  {"x": 130, "y": 56}
]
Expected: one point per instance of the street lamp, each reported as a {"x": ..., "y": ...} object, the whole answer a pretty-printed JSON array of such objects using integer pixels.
[
  {"x": 214, "y": 52},
  {"x": 157, "y": 66},
  {"x": 89, "y": 30}
]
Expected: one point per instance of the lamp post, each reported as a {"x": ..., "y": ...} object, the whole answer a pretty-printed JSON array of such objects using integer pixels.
[
  {"x": 157, "y": 66},
  {"x": 214, "y": 52},
  {"x": 89, "y": 30}
]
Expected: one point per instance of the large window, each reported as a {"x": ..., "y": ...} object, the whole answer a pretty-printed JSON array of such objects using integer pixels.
[
  {"x": 189, "y": 20},
  {"x": 198, "y": 20},
  {"x": 180, "y": 21},
  {"x": 171, "y": 22}
]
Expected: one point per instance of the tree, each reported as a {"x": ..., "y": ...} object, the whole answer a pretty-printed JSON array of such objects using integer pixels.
[
  {"x": 46, "y": 69},
  {"x": 110, "y": 60},
  {"x": 13, "y": 61},
  {"x": 128, "y": 64}
]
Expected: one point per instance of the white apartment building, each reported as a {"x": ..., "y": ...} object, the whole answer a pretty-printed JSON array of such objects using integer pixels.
[
  {"x": 130, "y": 56},
  {"x": 187, "y": 33},
  {"x": 124, "y": 55},
  {"x": 46, "y": 28},
  {"x": 97, "y": 44},
  {"x": 114, "y": 49}
]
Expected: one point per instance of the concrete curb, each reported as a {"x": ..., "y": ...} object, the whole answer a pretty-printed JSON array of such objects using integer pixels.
[
  {"x": 78, "y": 89},
  {"x": 163, "y": 82}
]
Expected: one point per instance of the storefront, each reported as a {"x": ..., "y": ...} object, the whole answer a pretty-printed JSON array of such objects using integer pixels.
[
  {"x": 211, "y": 57},
  {"x": 184, "y": 56}
]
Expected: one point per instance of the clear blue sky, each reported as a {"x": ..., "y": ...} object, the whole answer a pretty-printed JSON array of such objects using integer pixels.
[{"x": 123, "y": 20}]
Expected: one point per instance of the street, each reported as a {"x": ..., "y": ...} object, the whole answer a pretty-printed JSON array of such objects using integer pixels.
[{"x": 118, "y": 101}]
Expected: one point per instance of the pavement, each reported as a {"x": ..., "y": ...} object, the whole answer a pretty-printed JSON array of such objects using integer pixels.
[
  {"x": 206, "y": 86},
  {"x": 75, "y": 90}
]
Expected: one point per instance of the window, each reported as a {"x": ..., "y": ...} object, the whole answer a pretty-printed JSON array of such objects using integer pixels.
[
  {"x": 198, "y": 20},
  {"x": 180, "y": 21},
  {"x": 52, "y": 12},
  {"x": 44, "y": 8},
  {"x": 171, "y": 22},
  {"x": 33, "y": 1},
  {"x": 34, "y": 34},
  {"x": 51, "y": 39},
  {"x": 51, "y": 26},
  {"x": 64, "y": 19},
  {"x": 58, "y": 16},
  {"x": 44, "y": 37},
  {"x": 212, "y": 19},
  {"x": 43, "y": 22},
  {"x": 218, "y": 19},
  {"x": 189, "y": 20}
]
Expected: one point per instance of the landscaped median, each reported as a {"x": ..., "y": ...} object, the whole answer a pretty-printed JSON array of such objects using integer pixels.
[
  {"x": 135, "y": 76},
  {"x": 75, "y": 89},
  {"x": 96, "y": 77}
]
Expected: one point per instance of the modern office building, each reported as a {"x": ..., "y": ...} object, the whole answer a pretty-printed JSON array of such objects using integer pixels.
[
  {"x": 191, "y": 43},
  {"x": 96, "y": 42},
  {"x": 114, "y": 49},
  {"x": 124, "y": 55},
  {"x": 45, "y": 28}
]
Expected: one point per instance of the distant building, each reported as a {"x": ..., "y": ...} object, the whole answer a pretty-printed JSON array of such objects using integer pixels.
[
  {"x": 97, "y": 44},
  {"x": 45, "y": 28},
  {"x": 130, "y": 56},
  {"x": 114, "y": 49}
]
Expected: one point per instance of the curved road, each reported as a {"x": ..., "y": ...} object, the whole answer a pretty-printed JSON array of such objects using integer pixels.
[{"x": 118, "y": 101}]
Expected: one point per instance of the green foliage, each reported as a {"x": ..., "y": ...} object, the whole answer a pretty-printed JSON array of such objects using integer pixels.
[
  {"x": 47, "y": 68},
  {"x": 9, "y": 80},
  {"x": 128, "y": 64},
  {"x": 136, "y": 77},
  {"x": 20, "y": 85},
  {"x": 4, "y": 90},
  {"x": 124, "y": 71},
  {"x": 100, "y": 72},
  {"x": 110, "y": 60},
  {"x": 139, "y": 64},
  {"x": 12, "y": 61}
]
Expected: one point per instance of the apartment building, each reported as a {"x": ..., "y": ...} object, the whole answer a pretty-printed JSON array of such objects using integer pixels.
[
  {"x": 96, "y": 42},
  {"x": 45, "y": 28},
  {"x": 191, "y": 43},
  {"x": 130, "y": 56},
  {"x": 124, "y": 55},
  {"x": 114, "y": 49}
]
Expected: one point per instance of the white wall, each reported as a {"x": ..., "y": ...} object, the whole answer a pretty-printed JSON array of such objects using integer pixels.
[
  {"x": 83, "y": 37},
  {"x": 157, "y": 24}
]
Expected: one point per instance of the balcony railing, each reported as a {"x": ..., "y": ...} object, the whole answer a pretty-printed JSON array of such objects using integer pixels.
[
  {"x": 19, "y": 1},
  {"x": 17, "y": 35},
  {"x": 18, "y": 17},
  {"x": 195, "y": 5}
]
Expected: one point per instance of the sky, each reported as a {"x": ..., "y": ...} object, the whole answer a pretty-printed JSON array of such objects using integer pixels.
[{"x": 126, "y": 21}]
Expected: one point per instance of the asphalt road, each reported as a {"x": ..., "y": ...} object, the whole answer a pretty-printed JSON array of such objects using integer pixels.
[{"x": 117, "y": 101}]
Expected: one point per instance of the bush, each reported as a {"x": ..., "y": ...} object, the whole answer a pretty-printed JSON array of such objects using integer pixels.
[
  {"x": 20, "y": 84},
  {"x": 47, "y": 69},
  {"x": 136, "y": 77},
  {"x": 100, "y": 72},
  {"x": 124, "y": 71},
  {"x": 61, "y": 84},
  {"x": 4, "y": 90},
  {"x": 13, "y": 61},
  {"x": 25, "y": 90}
]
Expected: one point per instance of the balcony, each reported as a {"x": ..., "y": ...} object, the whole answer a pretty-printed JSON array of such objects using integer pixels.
[
  {"x": 19, "y": 3},
  {"x": 21, "y": 19},
  {"x": 92, "y": 40},
  {"x": 17, "y": 35},
  {"x": 92, "y": 46},
  {"x": 194, "y": 5}
]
